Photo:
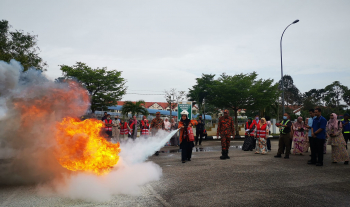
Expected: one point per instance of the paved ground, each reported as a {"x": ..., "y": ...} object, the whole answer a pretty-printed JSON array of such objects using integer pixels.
[{"x": 244, "y": 180}]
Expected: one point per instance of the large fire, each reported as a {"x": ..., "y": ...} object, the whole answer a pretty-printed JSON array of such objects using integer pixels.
[{"x": 81, "y": 148}]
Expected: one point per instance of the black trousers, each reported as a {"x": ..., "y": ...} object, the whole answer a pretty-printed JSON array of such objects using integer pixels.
[
  {"x": 312, "y": 142},
  {"x": 186, "y": 150},
  {"x": 346, "y": 137},
  {"x": 268, "y": 144},
  {"x": 317, "y": 154},
  {"x": 200, "y": 134}
]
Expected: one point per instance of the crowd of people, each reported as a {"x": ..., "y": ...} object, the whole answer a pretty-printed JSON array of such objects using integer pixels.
[
  {"x": 120, "y": 130},
  {"x": 315, "y": 133}
]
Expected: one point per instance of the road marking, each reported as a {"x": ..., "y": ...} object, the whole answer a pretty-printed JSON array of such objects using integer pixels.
[{"x": 162, "y": 200}]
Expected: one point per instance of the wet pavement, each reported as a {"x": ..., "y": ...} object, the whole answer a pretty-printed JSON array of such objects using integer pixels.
[{"x": 247, "y": 179}]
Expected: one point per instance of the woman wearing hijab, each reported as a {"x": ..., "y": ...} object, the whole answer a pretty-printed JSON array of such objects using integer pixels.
[
  {"x": 167, "y": 125},
  {"x": 185, "y": 144},
  {"x": 299, "y": 136},
  {"x": 336, "y": 139},
  {"x": 248, "y": 144},
  {"x": 262, "y": 132}
]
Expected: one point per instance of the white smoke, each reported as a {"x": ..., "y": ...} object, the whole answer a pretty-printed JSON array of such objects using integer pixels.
[
  {"x": 127, "y": 177},
  {"x": 28, "y": 141}
]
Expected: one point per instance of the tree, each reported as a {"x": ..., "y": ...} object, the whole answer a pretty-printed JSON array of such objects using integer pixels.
[
  {"x": 334, "y": 94},
  {"x": 346, "y": 96},
  {"x": 199, "y": 92},
  {"x": 21, "y": 47},
  {"x": 292, "y": 95},
  {"x": 172, "y": 96},
  {"x": 105, "y": 87},
  {"x": 241, "y": 91},
  {"x": 134, "y": 108}
]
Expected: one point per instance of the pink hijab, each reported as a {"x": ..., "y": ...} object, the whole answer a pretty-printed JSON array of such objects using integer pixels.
[{"x": 333, "y": 123}]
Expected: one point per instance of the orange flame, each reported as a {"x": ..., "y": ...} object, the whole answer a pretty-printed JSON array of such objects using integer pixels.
[{"x": 81, "y": 148}]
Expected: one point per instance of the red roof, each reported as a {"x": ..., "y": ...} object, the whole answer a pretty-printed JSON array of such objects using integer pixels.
[{"x": 164, "y": 105}]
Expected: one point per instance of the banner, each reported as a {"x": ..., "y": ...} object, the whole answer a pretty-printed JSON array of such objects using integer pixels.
[{"x": 185, "y": 105}]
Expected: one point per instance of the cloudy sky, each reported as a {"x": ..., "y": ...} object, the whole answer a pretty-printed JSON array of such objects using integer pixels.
[{"x": 168, "y": 43}]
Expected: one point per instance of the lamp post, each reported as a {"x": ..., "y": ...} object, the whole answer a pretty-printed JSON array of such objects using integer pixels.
[{"x": 296, "y": 21}]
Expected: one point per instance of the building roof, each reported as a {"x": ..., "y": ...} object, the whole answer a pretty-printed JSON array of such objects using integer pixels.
[
  {"x": 151, "y": 111},
  {"x": 164, "y": 105}
]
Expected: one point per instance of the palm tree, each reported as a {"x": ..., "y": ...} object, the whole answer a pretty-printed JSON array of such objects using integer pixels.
[{"x": 134, "y": 108}]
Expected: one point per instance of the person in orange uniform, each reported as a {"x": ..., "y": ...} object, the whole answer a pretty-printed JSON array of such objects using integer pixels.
[
  {"x": 156, "y": 125},
  {"x": 185, "y": 144},
  {"x": 225, "y": 130}
]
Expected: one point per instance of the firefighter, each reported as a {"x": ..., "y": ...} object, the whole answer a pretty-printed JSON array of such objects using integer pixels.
[
  {"x": 225, "y": 130},
  {"x": 185, "y": 144},
  {"x": 156, "y": 125}
]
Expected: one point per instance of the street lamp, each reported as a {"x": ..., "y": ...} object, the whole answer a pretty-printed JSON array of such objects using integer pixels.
[{"x": 296, "y": 21}]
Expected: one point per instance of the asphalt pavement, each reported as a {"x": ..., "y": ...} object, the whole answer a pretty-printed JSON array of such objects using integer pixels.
[{"x": 247, "y": 179}]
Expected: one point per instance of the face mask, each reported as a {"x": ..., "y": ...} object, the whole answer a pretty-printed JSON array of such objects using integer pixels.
[
  {"x": 257, "y": 118},
  {"x": 108, "y": 118},
  {"x": 116, "y": 118},
  {"x": 284, "y": 117}
]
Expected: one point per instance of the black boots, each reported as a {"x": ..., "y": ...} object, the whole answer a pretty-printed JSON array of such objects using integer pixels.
[{"x": 224, "y": 155}]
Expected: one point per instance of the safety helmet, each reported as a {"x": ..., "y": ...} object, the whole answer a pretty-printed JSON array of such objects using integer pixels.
[{"x": 184, "y": 112}]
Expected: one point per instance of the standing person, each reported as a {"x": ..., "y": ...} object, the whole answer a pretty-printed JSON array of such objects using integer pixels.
[
  {"x": 306, "y": 134},
  {"x": 312, "y": 141},
  {"x": 346, "y": 129},
  {"x": 105, "y": 116},
  {"x": 144, "y": 127},
  {"x": 167, "y": 125},
  {"x": 134, "y": 128},
  {"x": 336, "y": 139},
  {"x": 255, "y": 122},
  {"x": 299, "y": 136},
  {"x": 318, "y": 131},
  {"x": 249, "y": 136},
  {"x": 185, "y": 144},
  {"x": 116, "y": 129},
  {"x": 156, "y": 125},
  {"x": 199, "y": 131},
  {"x": 225, "y": 130},
  {"x": 124, "y": 130},
  {"x": 175, "y": 139},
  {"x": 285, "y": 136},
  {"x": 108, "y": 126},
  {"x": 268, "y": 142},
  {"x": 261, "y": 136},
  {"x": 131, "y": 127}
]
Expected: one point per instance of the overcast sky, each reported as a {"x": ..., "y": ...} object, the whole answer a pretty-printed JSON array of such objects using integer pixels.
[{"x": 167, "y": 44}]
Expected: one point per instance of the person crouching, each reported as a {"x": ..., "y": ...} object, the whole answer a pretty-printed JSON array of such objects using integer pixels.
[{"x": 185, "y": 144}]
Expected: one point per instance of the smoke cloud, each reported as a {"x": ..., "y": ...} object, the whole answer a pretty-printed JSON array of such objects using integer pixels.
[{"x": 30, "y": 108}]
